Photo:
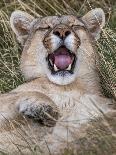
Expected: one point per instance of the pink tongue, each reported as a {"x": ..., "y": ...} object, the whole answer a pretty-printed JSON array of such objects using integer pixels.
[{"x": 62, "y": 61}]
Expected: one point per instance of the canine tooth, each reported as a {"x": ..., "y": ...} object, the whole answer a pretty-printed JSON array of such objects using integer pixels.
[
  {"x": 69, "y": 67},
  {"x": 51, "y": 62},
  {"x": 55, "y": 68}
]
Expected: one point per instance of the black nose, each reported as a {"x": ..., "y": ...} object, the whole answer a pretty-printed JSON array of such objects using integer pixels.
[{"x": 61, "y": 33}]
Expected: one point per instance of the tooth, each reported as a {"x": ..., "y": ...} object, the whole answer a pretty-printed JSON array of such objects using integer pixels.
[
  {"x": 55, "y": 68},
  {"x": 69, "y": 67},
  {"x": 51, "y": 62}
]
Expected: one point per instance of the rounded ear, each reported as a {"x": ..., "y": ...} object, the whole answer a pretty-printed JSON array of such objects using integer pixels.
[
  {"x": 20, "y": 23},
  {"x": 94, "y": 21}
]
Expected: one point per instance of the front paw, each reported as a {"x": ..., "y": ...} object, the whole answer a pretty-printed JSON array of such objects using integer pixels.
[{"x": 42, "y": 111}]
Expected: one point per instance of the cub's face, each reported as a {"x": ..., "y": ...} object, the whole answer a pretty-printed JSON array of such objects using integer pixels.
[{"x": 55, "y": 46}]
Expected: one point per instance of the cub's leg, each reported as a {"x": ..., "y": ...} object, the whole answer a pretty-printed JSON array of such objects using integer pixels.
[
  {"x": 30, "y": 104},
  {"x": 38, "y": 107}
]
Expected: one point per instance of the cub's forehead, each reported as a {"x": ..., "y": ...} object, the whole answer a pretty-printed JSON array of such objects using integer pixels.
[
  {"x": 51, "y": 21},
  {"x": 60, "y": 19}
]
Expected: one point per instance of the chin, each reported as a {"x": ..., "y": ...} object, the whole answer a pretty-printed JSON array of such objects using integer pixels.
[{"x": 62, "y": 78}]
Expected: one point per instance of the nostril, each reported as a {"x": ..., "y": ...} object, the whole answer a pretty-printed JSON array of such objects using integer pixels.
[
  {"x": 61, "y": 35},
  {"x": 67, "y": 33},
  {"x": 56, "y": 33}
]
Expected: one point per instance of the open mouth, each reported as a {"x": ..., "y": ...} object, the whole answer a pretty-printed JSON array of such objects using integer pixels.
[{"x": 61, "y": 60}]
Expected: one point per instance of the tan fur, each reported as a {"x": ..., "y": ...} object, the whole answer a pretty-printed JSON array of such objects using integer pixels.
[{"x": 74, "y": 101}]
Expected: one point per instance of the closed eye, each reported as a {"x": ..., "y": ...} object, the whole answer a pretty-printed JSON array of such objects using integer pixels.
[
  {"x": 44, "y": 28},
  {"x": 75, "y": 27}
]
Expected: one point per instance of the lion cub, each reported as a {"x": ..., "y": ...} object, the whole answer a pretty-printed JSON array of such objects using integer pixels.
[{"x": 58, "y": 60}]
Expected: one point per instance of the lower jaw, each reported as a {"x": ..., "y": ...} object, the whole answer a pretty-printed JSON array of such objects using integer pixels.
[
  {"x": 62, "y": 72},
  {"x": 61, "y": 80}
]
